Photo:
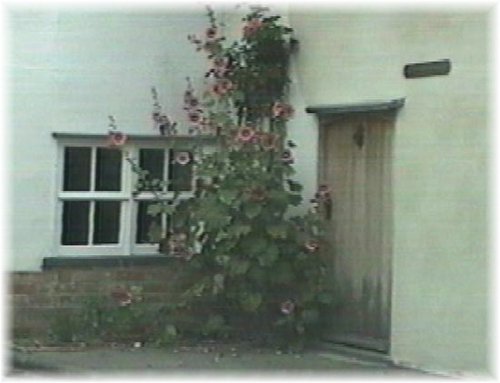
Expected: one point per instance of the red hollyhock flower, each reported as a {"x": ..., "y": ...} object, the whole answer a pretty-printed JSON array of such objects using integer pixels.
[
  {"x": 287, "y": 307},
  {"x": 117, "y": 139},
  {"x": 245, "y": 134}
]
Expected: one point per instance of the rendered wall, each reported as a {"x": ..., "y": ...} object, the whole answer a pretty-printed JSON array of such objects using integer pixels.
[
  {"x": 440, "y": 261},
  {"x": 67, "y": 72}
]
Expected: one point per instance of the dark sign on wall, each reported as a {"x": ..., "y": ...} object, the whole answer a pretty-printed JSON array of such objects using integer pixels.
[{"x": 427, "y": 69}]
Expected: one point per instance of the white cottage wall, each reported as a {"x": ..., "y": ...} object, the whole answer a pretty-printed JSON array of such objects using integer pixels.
[
  {"x": 440, "y": 260},
  {"x": 70, "y": 70}
]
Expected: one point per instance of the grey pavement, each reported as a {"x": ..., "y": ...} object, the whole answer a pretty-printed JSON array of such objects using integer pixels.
[{"x": 201, "y": 360}]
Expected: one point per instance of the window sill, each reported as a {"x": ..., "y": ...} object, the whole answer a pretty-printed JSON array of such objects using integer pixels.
[{"x": 50, "y": 263}]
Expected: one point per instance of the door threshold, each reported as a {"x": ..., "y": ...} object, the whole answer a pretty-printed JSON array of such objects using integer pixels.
[{"x": 356, "y": 352}]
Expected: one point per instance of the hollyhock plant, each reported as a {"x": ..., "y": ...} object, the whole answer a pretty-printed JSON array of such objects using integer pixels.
[{"x": 243, "y": 246}]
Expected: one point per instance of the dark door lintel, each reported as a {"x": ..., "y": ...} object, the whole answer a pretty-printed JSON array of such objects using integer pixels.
[{"x": 373, "y": 106}]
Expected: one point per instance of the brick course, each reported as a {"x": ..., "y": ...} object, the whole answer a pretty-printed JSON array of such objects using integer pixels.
[{"x": 37, "y": 297}]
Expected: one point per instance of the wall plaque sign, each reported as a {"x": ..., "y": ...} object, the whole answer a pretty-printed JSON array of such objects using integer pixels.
[{"x": 427, "y": 69}]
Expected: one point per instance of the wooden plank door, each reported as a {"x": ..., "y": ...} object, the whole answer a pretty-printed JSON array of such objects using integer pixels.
[{"x": 355, "y": 161}]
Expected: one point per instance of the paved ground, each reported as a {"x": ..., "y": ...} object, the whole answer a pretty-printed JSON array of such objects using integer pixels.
[{"x": 200, "y": 360}]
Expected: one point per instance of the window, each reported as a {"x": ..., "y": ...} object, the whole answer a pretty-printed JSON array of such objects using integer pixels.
[{"x": 100, "y": 211}]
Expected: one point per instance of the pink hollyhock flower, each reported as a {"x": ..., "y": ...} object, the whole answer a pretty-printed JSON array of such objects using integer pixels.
[
  {"x": 117, "y": 139},
  {"x": 258, "y": 194},
  {"x": 281, "y": 110},
  {"x": 194, "y": 117},
  {"x": 183, "y": 158},
  {"x": 220, "y": 88},
  {"x": 251, "y": 27},
  {"x": 226, "y": 85},
  {"x": 122, "y": 297},
  {"x": 287, "y": 157},
  {"x": 311, "y": 246},
  {"x": 156, "y": 116},
  {"x": 245, "y": 134},
  {"x": 269, "y": 141},
  {"x": 287, "y": 307},
  {"x": 220, "y": 67},
  {"x": 210, "y": 33}
]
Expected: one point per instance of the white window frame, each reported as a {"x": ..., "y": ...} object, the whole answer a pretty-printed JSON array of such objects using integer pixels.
[{"x": 129, "y": 207}]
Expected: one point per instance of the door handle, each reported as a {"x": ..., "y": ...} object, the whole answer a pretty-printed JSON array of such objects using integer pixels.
[
  {"x": 323, "y": 196},
  {"x": 328, "y": 209}
]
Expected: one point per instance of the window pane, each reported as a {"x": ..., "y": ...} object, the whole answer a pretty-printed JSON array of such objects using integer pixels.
[
  {"x": 75, "y": 222},
  {"x": 180, "y": 170},
  {"x": 76, "y": 169},
  {"x": 145, "y": 221},
  {"x": 153, "y": 160},
  {"x": 106, "y": 222},
  {"x": 108, "y": 169}
]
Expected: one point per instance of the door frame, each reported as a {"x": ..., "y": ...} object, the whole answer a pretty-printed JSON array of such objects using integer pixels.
[{"x": 327, "y": 115}]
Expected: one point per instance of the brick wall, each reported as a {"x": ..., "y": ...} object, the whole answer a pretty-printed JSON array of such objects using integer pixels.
[{"x": 37, "y": 297}]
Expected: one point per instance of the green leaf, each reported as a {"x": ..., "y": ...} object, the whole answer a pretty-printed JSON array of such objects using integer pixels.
[
  {"x": 294, "y": 186},
  {"x": 269, "y": 255},
  {"x": 159, "y": 208},
  {"x": 251, "y": 301},
  {"x": 170, "y": 330},
  {"x": 154, "y": 209},
  {"x": 310, "y": 315},
  {"x": 239, "y": 267},
  {"x": 283, "y": 273},
  {"x": 227, "y": 196},
  {"x": 218, "y": 284},
  {"x": 325, "y": 297},
  {"x": 214, "y": 324},
  {"x": 277, "y": 231},
  {"x": 294, "y": 199},
  {"x": 155, "y": 232},
  {"x": 239, "y": 230},
  {"x": 252, "y": 210},
  {"x": 238, "y": 95}
]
